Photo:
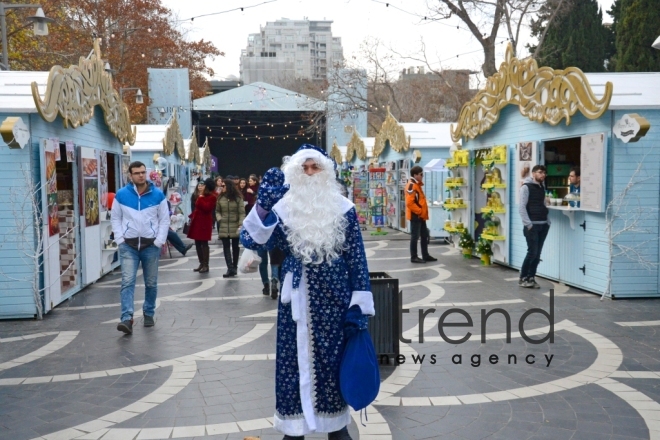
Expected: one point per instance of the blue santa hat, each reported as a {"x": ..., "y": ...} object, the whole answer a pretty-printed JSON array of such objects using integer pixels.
[{"x": 313, "y": 152}]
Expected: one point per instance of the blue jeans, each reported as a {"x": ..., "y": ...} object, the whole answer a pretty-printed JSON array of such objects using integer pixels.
[
  {"x": 263, "y": 267},
  {"x": 174, "y": 238},
  {"x": 535, "y": 238},
  {"x": 130, "y": 259}
]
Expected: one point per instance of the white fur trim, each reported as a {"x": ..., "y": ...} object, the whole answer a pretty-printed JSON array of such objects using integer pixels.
[
  {"x": 298, "y": 426},
  {"x": 287, "y": 287},
  {"x": 305, "y": 356},
  {"x": 255, "y": 227},
  {"x": 365, "y": 300},
  {"x": 310, "y": 153}
]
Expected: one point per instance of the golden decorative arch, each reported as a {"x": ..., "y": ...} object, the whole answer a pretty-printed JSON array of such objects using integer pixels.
[
  {"x": 193, "y": 150},
  {"x": 173, "y": 139},
  {"x": 205, "y": 154},
  {"x": 356, "y": 146},
  {"x": 394, "y": 133},
  {"x": 74, "y": 92},
  {"x": 542, "y": 94},
  {"x": 335, "y": 153}
]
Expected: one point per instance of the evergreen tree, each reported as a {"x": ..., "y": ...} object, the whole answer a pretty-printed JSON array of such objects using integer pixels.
[
  {"x": 576, "y": 37},
  {"x": 636, "y": 26}
]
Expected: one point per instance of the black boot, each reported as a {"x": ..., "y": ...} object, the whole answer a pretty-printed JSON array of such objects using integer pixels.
[
  {"x": 273, "y": 288},
  {"x": 266, "y": 290},
  {"x": 230, "y": 266},
  {"x": 206, "y": 253},
  {"x": 200, "y": 257},
  {"x": 342, "y": 434}
]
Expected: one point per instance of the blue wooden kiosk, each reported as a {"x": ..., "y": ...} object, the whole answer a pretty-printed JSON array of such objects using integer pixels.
[
  {"x": 61, "y": 154},
  {"x": 605, "y": 125}
]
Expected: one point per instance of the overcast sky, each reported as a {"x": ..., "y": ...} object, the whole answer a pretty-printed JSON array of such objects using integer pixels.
[{"x": 354, "y": 21}]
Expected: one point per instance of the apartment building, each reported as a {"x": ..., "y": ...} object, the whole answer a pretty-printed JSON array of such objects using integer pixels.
[{"x": 290, "y": 49}]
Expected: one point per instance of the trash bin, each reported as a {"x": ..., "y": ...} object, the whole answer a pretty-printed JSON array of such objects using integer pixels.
[{"x": 384, "y": 327}]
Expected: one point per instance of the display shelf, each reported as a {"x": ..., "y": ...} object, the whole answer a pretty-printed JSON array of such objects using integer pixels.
[
  {"x": 493, "y": 237},
  {"x": 455, "y": 206},
  {"x": 456, "y": 230},
  {"x": 489, "y": 162},
  {"x": 455, "y": 185},
  {"x": 497, "y": 210},
  {"x": 494, "y": 185}
]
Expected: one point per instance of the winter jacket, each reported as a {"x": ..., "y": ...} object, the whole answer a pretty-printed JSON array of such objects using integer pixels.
[
  {"x": 233, "y": 214},
  {"x": 136, "y": 217},
  {"x": 251, "y": 199},
  {"x": 532, "y": 209},
  {"x": 203, "y": 218},
  {"x": 416, "y": 206}
]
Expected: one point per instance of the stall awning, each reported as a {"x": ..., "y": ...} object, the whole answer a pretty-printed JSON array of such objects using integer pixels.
[{"x": 435, "y": 165}]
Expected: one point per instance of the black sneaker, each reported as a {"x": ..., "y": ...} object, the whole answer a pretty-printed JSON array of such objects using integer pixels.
[
  {"x": 126, "y": 326},
  {"x": 266, "y": 289},
  {"x": 273, "y": 290},
  {"x": 185, "y": 251},
  {"x": 532, "y": 284},
  {"x": 430, "y": 258},
  {"x": 417, "y": 260},
  {"x": 522, "y": 282},
  {"x": 149, "y": 321}
]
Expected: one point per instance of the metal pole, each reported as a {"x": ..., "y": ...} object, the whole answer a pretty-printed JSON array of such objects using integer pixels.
[{"x": 3, "y": 25}]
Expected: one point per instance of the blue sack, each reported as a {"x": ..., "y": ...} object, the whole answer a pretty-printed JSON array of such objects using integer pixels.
[{"x": 359, "y": 377}]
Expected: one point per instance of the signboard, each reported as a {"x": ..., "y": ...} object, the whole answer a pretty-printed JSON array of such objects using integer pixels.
[
  {"x": 592, "y": 172},
  {"x": 14, "y": 132},
  {"x": 526, "y": 159},
  {"x": 214, "y": 164},
  {"x": 631, "y": 128}
]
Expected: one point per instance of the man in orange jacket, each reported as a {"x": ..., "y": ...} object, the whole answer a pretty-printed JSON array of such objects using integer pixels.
[{"x": 417, "y": 211}]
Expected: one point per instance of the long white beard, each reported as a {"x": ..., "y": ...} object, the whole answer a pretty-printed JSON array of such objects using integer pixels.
[{"x": 315, "y": 224}]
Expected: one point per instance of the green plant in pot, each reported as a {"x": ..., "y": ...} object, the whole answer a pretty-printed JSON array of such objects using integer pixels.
[
  {"x": 485, "y": 250},
  {"x": 466, "y": 243}
]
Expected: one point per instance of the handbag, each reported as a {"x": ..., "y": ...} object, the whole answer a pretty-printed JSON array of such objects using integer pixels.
[
  {"x": 186, "y": 227},
  {"x": 359, "y": 376}
]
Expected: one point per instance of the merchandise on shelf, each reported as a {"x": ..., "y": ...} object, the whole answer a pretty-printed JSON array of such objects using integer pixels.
[{"x": 377, "y": 196}]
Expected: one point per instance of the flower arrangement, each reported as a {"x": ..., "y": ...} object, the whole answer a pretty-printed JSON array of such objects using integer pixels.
[
  {"x": 483, "y": 247},
  {"x": 466, "y": 242}
]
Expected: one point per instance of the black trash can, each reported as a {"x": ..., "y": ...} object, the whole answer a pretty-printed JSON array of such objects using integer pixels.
[{"x": 384, "y": 327}]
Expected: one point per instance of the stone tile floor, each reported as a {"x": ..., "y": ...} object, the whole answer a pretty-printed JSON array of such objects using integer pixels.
[{"x": 206, "y": 370}]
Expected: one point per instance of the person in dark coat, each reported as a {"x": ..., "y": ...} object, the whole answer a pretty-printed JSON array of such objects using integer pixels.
[
  {"x": 201, "y": 223},
  {"x": 251, "y": 193}
]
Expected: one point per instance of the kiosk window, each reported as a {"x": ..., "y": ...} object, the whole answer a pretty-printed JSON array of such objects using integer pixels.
[{"x": 560, "y": 156}]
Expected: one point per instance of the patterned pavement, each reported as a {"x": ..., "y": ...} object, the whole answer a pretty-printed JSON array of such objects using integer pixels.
[{"x": 206, "y": 370}]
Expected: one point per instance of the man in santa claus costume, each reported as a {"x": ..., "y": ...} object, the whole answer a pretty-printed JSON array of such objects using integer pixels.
[{"x": 326, "y": 288}]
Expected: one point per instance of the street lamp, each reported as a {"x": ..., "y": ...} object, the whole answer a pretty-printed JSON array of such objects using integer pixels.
[
  {"x": 138, "y": 96},
  {"x": 40, "y": 26},
  {"x": 656, "y": 44}
]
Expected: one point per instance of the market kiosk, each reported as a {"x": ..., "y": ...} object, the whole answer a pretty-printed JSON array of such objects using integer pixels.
[
  {"x": 61, "y": 157},
  {"x": 604, "y": 239},
  {"x": 161, "y": 148}
]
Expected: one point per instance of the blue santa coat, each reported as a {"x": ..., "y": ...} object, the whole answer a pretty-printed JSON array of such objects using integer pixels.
[{"x": 312, "y": 307}]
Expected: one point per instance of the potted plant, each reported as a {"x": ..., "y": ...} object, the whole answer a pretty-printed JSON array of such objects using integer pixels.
[
  {"x": 466, "y": 243},
  {"x": 485, "y": 250}
]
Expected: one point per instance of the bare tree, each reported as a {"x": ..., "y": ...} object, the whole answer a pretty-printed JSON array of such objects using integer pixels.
[
  {"x": 483, "y": 19},
  {"x": 625, "y": 215},
  {"x": 27, "y": 236}
]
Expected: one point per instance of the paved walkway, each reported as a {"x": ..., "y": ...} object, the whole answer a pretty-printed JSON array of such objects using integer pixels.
[{"x": 206, "y": 370}]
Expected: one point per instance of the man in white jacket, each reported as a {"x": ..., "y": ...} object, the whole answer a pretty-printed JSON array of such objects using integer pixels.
[{"x": 140, "y": 221}]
